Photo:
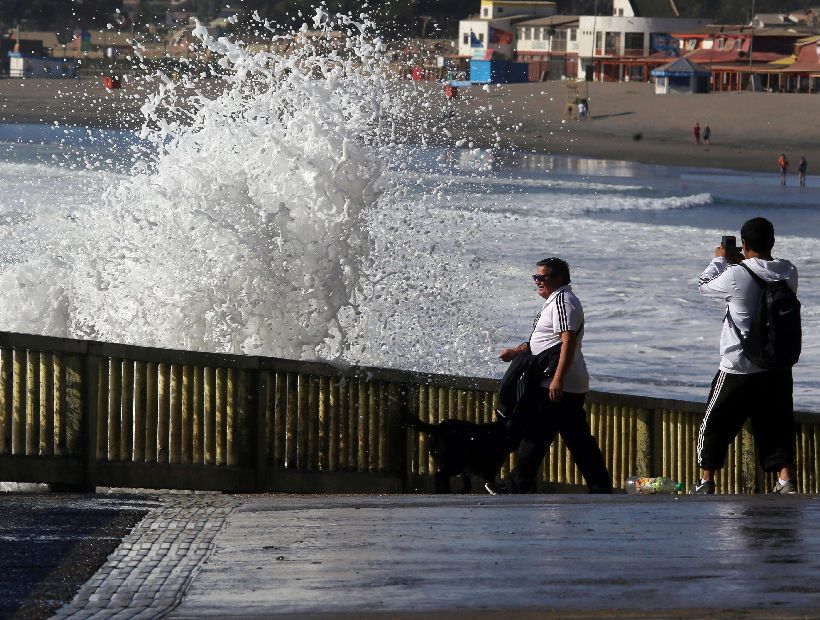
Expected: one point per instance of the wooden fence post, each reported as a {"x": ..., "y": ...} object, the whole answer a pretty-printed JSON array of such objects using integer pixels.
[
  {"x": 749, "y": 481},
  {"x": 90, "y": 409},
  {"x": 258, "y": 390},
  {"x": 644, "y": 464},
  {"x": 402, "y": 449}
]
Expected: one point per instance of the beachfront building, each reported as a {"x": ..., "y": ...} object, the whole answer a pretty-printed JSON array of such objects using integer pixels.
[
  {"x": 636, "y": 38},
  {"x": 681, "y": 76},
  {"x": 809, "y": 18},
  {"x": 491, "y": 33},
  {"x": 801, "y": 71},
  {"x": 23, "y": 66},
  {"x": 550, "y": 46},
  {"x": 774, "y": 59}
]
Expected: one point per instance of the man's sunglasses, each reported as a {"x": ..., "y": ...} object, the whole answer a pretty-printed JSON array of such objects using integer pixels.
[{"x": 538, "y": 278}]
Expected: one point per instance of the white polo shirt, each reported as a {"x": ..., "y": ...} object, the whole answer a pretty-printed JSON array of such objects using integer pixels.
[{"x": 562, "y": 312}]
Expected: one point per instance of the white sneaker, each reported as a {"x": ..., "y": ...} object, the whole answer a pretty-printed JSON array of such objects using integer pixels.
[{"x": 785, "y": 488}]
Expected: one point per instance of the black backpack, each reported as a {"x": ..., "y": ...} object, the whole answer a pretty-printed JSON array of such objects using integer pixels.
[{"x": 775, "y": 334}]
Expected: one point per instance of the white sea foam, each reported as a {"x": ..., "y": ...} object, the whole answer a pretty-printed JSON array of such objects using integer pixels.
[
  {"x": 244, "y": 233},
  {"x": 505, "y": 182},
  {"x": 564, "y": 203}
]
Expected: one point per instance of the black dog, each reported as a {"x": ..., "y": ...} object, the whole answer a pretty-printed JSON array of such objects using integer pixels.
[{"x": 464, "y": 448}]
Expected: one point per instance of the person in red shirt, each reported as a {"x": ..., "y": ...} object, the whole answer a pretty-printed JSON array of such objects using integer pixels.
[
  {"x": 696, "y": 133},
  {"x": 783, "y": 164}
]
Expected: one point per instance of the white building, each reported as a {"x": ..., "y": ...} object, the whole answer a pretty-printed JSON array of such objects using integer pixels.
[
  {"x": 551, "y": 41},
  {"x": 628, "y": 44},
  {"x": 637, "y": 29},
  {"x": 492, "y": 31}
]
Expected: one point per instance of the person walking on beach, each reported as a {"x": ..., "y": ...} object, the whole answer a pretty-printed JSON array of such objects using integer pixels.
[
  {"x": 783, "y": 164},
  {"x": 582, "y": 110},
  {"x": 557, "y": 405},
  {"x": 741, "y": 388},
  {"x": 801, "y": 171},
  {"x": 696, "y": 133},
  {"x": 707, "y": 133}
]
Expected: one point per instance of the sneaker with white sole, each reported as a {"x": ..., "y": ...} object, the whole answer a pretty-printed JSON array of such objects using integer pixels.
[
  {"x": 705, "y": 487},
  {"x": 497, "y": 488},
  {"x": 785, "y": 488}
]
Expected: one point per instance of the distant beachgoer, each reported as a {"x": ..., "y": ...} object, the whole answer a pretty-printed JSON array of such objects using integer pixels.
[
  {"x": 707, "y": 133},
  {"x": 582, "y": 110},
  {"x": 696, "y": 133},
  {"x": 783, "y": 164},
  {"x": 801, "y": 171}
]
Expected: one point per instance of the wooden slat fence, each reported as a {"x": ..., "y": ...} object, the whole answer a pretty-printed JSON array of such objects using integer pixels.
[{"x": 84, "y": 414}]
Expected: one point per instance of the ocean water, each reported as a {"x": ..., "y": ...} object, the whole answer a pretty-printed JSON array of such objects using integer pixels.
[{"x": 292, "y": 216}]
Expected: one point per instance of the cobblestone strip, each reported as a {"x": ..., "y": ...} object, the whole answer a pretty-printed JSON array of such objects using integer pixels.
[{"x": 150, "y": 571}]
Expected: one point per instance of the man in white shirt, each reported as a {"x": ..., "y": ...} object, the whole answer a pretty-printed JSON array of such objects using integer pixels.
[
  {"x": 558, "y": 405},
  {"x": 742, "y": 390}
]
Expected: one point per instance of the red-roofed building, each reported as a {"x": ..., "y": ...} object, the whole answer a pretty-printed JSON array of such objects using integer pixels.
[{"x": 803, "y": 74}]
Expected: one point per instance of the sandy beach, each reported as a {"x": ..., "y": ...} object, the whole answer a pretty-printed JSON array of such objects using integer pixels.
[{"x": 627, "y": 120}]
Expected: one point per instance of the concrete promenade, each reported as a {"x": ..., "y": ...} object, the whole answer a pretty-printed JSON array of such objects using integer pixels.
[{"x": 542, "y": 556}]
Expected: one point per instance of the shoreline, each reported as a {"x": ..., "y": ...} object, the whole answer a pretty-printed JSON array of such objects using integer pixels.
[{"x": 749, "y": 130}]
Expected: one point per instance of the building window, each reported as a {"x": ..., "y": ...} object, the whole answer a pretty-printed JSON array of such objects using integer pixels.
[
  {"x": 573, "y": 35},
  {"x": 500, "y": 9},
  {"x": 537, "y": 35},
  {"x": 485, "y": 12},
  {"x": 466, "y": 39},
  {"x": 481, "y": 37},
  {"x": 620, "y": 12},
  {"x": 633, "y": 41},
  {"x": 612, "y": 43}
]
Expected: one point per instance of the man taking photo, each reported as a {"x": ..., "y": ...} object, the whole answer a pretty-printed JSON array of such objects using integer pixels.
[{"x": 754, "y": 380}]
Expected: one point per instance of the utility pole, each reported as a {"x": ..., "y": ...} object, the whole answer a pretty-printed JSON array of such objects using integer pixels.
[
  {"x": 751, "y": 47},
  {"x": 592, "y": 53},
  {"x": 752, "y": 38}
]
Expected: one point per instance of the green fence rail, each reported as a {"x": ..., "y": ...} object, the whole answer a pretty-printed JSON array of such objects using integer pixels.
[{"x": 85, "y": 414}]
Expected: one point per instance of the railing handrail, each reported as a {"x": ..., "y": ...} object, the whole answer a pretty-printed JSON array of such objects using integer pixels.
[{"x": 320, "y": 368}]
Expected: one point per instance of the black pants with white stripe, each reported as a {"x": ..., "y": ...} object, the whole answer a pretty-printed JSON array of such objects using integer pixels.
[
  {"x": 543, "y": 420},
  {"x": 763, "y": 397}
]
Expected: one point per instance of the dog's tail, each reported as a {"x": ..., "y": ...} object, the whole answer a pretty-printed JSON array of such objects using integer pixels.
[{"x": 416, "y": 423}]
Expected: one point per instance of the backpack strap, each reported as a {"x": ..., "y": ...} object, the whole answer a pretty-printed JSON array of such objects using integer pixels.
[
  {"x": 755, "y": 277},
  {"x": 733, "y": 326},
  {"x": 761, "y": 282}
]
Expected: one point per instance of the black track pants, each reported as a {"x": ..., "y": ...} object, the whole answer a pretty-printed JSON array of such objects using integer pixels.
[
  {"x": 763, "y": 397},
  {"x": 543, "y": 421}
]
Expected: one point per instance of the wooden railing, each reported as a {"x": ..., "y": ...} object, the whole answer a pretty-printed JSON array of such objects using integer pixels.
[{"x": 84, "y": 414}]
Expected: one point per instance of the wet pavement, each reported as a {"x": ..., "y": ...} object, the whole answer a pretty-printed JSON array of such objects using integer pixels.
[
  {"x": 542, "y": 556},
  {"x": 51, "y": 544},
  {"x": 563, "y": 556}
]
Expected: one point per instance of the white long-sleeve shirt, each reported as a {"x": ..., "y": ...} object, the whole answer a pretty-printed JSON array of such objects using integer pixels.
[{"x": 734, "y": 285}]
